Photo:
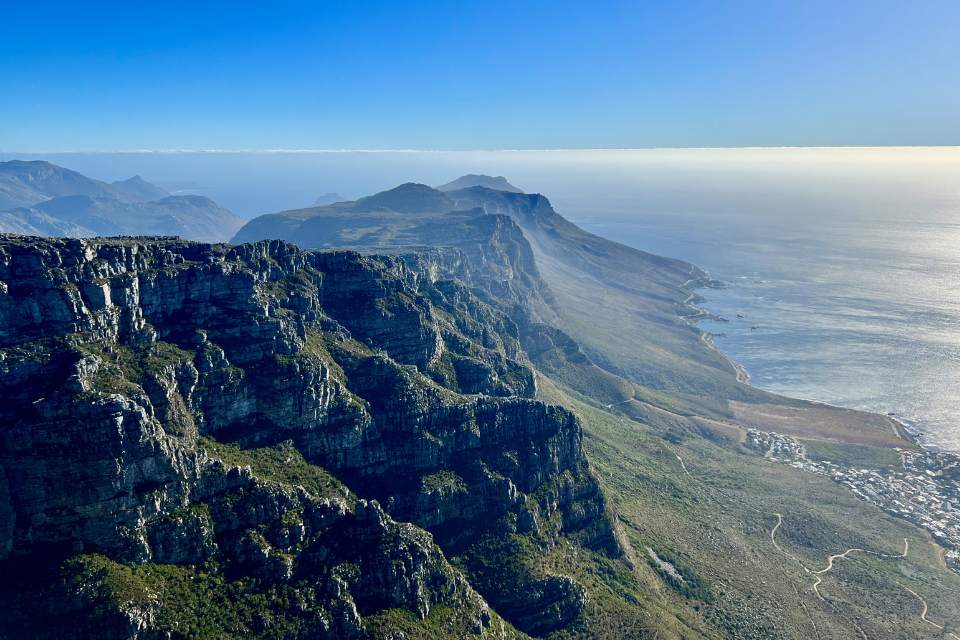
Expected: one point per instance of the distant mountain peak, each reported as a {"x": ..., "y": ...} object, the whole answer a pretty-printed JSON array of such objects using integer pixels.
[
  {"x": 138, "y": 190},
  {"x": 410, "y": 187},
  {"x": 410, "y": 197},
  {"x": 497, "y": 183},
  {"x": 328, "y": 198}
]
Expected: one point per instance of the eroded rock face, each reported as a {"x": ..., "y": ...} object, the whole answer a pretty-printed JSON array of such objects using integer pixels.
[{"x": 123, "y": 362}]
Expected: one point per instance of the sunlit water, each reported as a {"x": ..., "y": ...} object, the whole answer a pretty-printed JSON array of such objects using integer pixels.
[
  {"x": 866, "y": 317},
  {"x": 843, "y": 263},
  {"x": 842, "y": 281}
]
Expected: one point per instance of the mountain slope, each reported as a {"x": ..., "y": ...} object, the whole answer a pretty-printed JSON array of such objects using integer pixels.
[
  {"x": 406, "y": 198},
  {"x": 643, "y": 295},
  {"x": 34, "y": 222},
  {"x": 193, "y": 217},
  {"x": 261, "y": 441},
  {"x": 271, "y": 426},
  {"x": 24, "y": 183}
]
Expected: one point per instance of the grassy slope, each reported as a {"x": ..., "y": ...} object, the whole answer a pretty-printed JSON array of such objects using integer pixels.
[
  {"x": 716, "y": 520},
  {"x": 622, "y": 306}
]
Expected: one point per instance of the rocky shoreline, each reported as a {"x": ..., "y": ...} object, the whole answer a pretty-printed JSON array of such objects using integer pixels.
[{"x": 693, "y": 312}]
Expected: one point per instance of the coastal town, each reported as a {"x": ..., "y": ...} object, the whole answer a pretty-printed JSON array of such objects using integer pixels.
[{"x": 924, "y": 491}]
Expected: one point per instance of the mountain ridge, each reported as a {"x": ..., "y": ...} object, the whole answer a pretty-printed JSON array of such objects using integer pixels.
[
  {"x": 41, "y": 198},
  {"x": 464, "y": 418},
  {"x": 391, "y": 389},
  {"x": 661, "y": 285},
  {"x": 139, "y": 189}
]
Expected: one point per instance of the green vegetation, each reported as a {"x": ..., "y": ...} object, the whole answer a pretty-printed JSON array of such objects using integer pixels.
[
  {"x": 500, "y": 565},
  {"x": 443, "y": 371},
  {"x": 445, "y": 481},
  {"x": 282, "y": 464},
  {"x": 714, "y": 521},
  {"x": 442, "y": 623},
  {"x": 303, "y": 281},
  {"x": 678, "y": 575},
  {"x": 397, "y": 302},
  {"x": 191, "y": 604},
  {"x": 124, "y": 368}
]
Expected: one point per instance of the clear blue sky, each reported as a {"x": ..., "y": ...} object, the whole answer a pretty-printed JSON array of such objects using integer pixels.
[{"x": 471, "y": 75}]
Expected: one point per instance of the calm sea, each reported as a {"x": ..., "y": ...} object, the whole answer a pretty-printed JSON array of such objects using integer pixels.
[
  {"x": 861, "y": 316},
  {"x": 857, "y": 304}
]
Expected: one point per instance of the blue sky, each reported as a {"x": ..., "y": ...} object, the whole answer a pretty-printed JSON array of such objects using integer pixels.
[{"x": 478, "y": 75}]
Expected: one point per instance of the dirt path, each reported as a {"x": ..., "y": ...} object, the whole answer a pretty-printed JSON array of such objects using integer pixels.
[
  {"x": 773, "y": 539},
  {"x": 837, "y": 556},
  {"x": 923, "y": 612},
  {"x": 773, "y": 532},
  {"x": 829, "y": 567}
]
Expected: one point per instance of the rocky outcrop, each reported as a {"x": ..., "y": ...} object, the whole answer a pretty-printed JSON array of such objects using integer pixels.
[{"x": 126, "y": 364}]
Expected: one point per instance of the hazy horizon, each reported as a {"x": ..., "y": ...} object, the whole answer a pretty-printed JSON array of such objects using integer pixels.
[{"x": 578, "y": 182}]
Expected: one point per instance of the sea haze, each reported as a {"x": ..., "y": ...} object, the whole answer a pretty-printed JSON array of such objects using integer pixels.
[
  {"x": 843, "y": 263},
  {"x": 843, "y": 287}
]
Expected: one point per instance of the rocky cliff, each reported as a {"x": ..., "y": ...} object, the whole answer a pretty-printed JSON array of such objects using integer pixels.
[
  {"x": 304, "y": 438},
  {"x": 547, "y": 273}
]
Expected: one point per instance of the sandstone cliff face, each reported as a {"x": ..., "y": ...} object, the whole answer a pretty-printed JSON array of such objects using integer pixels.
[{"x": 126, "y": 364}]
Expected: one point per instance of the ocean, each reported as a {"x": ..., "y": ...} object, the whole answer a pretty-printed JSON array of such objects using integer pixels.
[
  {"x": 856, "y": 303},
  {"x": 842, "y": 266},
  {"x": 861, "y": 317}
]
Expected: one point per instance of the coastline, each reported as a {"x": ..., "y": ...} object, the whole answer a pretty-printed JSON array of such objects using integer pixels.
[
  {"x": 918, "y": 493},
  {"x": 693, "y": 302},
  {"x": 883, "y": 362},
  {"x": 907, "y": 429}
]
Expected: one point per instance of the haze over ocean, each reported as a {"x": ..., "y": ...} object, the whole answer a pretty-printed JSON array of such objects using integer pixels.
[{"x": 843, "y": 263}]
